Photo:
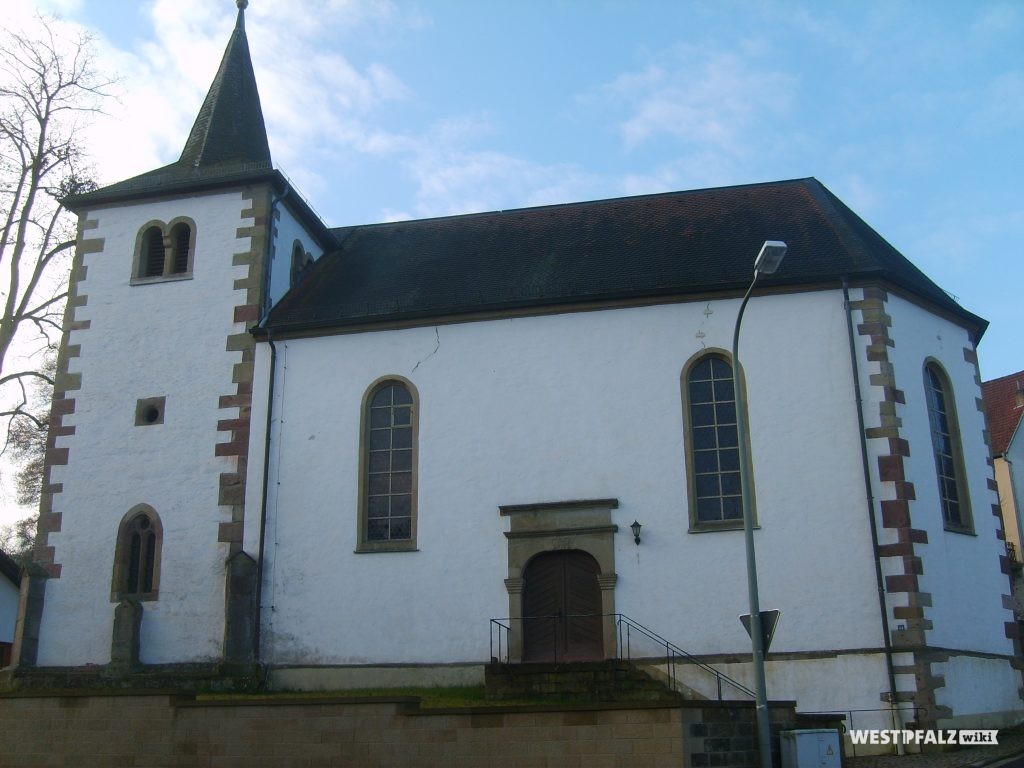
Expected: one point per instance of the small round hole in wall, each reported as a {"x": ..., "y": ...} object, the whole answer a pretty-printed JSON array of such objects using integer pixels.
[{"x": 150, "y": 414}]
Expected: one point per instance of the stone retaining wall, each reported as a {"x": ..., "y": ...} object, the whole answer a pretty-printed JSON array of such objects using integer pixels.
[{"x": 156, "y": 730}]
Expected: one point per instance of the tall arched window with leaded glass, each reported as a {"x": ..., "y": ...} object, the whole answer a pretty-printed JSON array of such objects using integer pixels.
[
  {"x": 949, "y": 462},
  {"x": 712, "y": 444},
  {"x": 387, "y": 519}
]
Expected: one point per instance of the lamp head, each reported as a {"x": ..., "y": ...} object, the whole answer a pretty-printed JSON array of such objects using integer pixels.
[{"x": 770, "y": 257}]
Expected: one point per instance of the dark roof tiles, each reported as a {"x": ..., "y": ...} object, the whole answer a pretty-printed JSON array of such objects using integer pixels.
[
  {"x": 230, "y": 127},
  {"x": 227, "y": 144},
  {"x": 669, "y": 245}
]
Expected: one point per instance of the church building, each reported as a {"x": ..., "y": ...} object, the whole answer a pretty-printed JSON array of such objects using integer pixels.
[{"x": 389, "y": 454}]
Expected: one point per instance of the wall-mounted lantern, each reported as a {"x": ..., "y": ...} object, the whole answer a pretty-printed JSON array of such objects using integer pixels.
[{"x": 636, "y": 531}]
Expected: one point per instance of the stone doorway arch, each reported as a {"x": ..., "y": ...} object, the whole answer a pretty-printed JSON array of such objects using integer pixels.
[{"x": 584, "y": 526}]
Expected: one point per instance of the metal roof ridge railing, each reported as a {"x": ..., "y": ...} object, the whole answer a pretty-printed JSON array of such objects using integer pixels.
[{"x": 295, "y": 191}]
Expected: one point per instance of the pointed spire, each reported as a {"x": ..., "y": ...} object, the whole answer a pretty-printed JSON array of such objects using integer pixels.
[{"x": 229, "y": 127}]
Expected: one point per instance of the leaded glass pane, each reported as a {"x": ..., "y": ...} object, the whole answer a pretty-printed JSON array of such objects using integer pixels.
[
  {"x": 401, "y": 461},
  {"x": 401, "y": 506},
  {"x": 945, "y": 447},
  {"x": 380, "y": 439},
  {"x": 730, "y": 483},
  {"x": 379, "y": 461},
  {"x": 377, "y": 530},
  {"x": 727, "y": 436},
  {"x": 707, "y": 485},
  {"x": 705, "y": 461},
  {"x": 723, "y": 389},
  {"x": 709, "y": 509},
  {"x": 732, "y": 508},
  {"x": 701, "y": 392},
  {"x": 725, "y": 413},
  {"x": 701, "y": 371},
  {"x": 401, "y": 437},
  {"x": 704, "y": 437},
  {"x": 703, "y": 415},
  {"x": 389, "y": 482},
  {"x": 712, "y": 423},
  {"x": 729, "y": 459},
  {"x": 377, "y": 506},
  {"x": 401, "y": 482}
]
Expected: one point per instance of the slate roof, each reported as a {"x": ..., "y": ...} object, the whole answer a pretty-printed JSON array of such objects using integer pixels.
[
  {"x": 667, "y": 245},
  {"x": 227, "y": 144},
  {"x": 1002, "y": 411}
]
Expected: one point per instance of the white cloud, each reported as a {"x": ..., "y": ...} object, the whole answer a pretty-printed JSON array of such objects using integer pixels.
[
  {"x": 855, "y": 191},
  {"x": 995, "y": 21},
  {"x": 1001, "y": 107},
  {"x": 314, "y": 100},
  {"x": 701, "y": 98},
  {"x": 457, "y": 179}
]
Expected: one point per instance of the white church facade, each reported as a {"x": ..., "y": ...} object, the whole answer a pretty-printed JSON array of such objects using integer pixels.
[{"x": 340, "y": 453}]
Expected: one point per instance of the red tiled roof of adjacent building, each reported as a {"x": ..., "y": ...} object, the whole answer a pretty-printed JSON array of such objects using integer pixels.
[{"x": 1003, "y": 409}]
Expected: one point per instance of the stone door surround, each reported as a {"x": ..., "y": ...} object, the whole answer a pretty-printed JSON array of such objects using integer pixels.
[{"x": 583, "y": 524}]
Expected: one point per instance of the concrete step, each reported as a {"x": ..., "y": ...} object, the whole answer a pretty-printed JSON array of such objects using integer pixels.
[{"x": 592, "y": 681}]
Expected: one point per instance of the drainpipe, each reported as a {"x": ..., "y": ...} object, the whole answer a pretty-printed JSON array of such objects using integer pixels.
[
  {"x": 870, "y": 497},
  {"x": 258, "y": 631},
  {"x": 264, "y": 311}
]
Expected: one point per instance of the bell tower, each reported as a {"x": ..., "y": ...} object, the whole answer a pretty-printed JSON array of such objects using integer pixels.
[{"x": 143, "y": 506}]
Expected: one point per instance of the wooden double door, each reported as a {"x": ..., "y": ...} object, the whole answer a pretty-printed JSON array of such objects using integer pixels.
[{"x": 562, "y": 608}]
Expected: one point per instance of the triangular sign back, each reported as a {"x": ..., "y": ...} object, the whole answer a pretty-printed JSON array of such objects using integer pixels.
[{"x": 769, "y": 620}]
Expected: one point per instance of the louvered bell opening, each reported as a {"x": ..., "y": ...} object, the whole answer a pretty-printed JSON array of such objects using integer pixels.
[
  {"x": 153, "y": 253},
  {"x": 182, "y": 237}
]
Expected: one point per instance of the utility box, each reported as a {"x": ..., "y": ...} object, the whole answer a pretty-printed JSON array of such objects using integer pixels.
[{"x": 812, "y": 748}]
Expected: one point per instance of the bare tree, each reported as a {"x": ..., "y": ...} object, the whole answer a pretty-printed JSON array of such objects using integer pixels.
[
  {"x": 48, "y": 89},
  {"x": 26, "y": 438}
]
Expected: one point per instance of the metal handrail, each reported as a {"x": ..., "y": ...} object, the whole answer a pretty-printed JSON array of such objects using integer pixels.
[
  {"x": 625, "y": 626},
  {"x": 672, "y": 652},
  {"x": 499, "y": 628}
]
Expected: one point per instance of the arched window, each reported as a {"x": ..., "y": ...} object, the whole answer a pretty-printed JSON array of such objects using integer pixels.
[
  {"x": 301, "y": 261},
  {"x": 137, "y": 555},
  {"x": 388, "y": 467},
  {"x": 713, "y": 457},
  {"x": 949, "y": 462},
  {"x": 164, "y": 251},
  {"x": 151, "y": 263},
  {"x": 181, "y": 237}
]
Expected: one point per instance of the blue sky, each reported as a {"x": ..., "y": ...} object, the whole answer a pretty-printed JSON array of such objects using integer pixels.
[{"x": 911, "y": 112}]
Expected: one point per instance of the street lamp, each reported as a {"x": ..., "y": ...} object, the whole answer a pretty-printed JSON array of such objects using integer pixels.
[{"x": 767, "y": 262}]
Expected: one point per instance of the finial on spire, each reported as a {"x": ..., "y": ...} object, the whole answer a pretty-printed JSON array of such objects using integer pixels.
[{"x": 242, "y": 5}]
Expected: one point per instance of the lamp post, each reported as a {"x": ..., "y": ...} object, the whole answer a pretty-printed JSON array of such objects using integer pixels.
[{"x": 767, "y": 261}]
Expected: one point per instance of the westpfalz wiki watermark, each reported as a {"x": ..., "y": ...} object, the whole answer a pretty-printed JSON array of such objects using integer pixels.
[{"x": 958, "y": 737}]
